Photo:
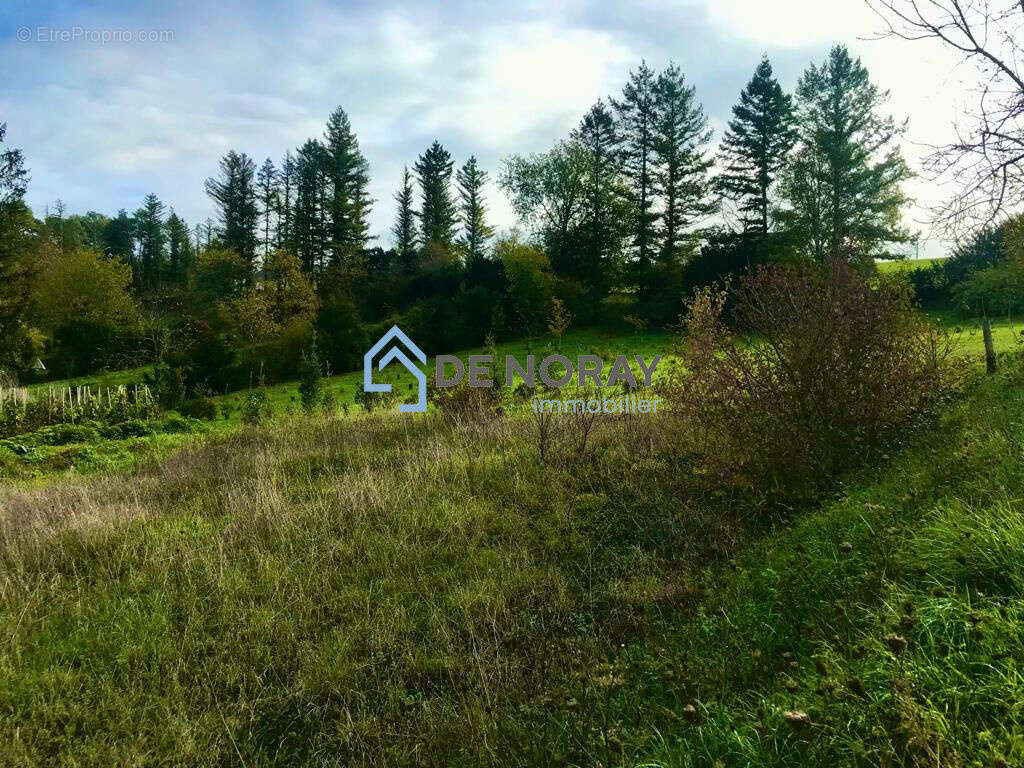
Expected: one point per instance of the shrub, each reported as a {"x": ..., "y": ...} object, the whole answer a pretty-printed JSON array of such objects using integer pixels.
[
  {"x": 465, "y": 403},
  {"x": 66, "y": 434},
  {"x": 176, "y": 424},
  {"x": 135, "y": 428},
  {"x": 311, "y": 384},
  {"x": 202, "y": 407},
  {"x": 370, "y": 401},
  {"x": 167, "y": 383},
  {"x": 832, "y": 368},
  {"x": 255, "y": 408}
]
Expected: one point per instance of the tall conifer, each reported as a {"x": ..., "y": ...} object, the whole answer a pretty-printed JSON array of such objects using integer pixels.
[
  {"x": 472, "y": 211},
  {"x": 755, "y": 148}
]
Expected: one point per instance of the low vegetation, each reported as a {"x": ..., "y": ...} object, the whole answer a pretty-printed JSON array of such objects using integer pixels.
[
  {"x": 391, "y": 590},
  {"x": 216, "y": 548},
  {"x": 834, "y": 367}
]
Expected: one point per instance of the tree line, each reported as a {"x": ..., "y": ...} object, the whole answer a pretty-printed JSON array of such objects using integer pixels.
[{"x": 618, "y": 221}]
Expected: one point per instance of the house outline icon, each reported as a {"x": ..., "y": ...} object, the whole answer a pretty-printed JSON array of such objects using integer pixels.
[{"x": 396, "y": 353}]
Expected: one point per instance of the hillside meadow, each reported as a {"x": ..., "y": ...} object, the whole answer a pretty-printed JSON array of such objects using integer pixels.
[{"x": 397, "y": 590}]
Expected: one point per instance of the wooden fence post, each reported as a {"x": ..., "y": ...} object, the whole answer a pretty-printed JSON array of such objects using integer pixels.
[{"x": 990, "y": 351}]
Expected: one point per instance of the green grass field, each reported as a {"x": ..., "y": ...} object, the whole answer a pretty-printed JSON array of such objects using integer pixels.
[
  {"x": 43, "y": 459},
  {"x": 285, "y": 397},
  {"x": 906, "y": 265},
  {"x": 1008, "y": 334},
  {"x": 401, "y": 590}
]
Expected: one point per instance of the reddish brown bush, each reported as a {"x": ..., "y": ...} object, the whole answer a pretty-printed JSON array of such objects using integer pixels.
[{"x": 817, "y": 368}]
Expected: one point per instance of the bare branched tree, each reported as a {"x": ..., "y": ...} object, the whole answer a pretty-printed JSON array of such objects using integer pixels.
[{"x": 986, "y": 160}]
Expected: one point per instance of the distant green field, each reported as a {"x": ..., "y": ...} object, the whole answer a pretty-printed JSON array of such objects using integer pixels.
[
  {"x": 343, "y": 388},
  {"x": 1007, "y": 333},
  {"x": 967, "y": 340},
  {"x": 284, "y": 397},
  {"x": 906, "y": 265},
  {"x": 97, "y": 381}
]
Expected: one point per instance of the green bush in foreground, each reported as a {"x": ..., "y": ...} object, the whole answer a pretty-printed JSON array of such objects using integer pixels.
[{"x": 836, "y": 367}]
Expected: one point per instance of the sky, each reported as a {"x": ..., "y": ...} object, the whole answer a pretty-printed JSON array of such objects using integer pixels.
[{"x": 110, "y": 101}]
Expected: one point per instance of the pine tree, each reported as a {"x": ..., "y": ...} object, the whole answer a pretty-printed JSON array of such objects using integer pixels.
[
  {"x": 267, "y": 190},
  {"x": 681, "y": 136},
  {"x": 152, "y": 240},
  {"x": 311, "y": 230},
  {"x": 348, "y": 176},
  {"x": 603, "y": 210},
  {"x": 13, "y": 176},
  {"x": 179, "y": 248},
  {"x": 235, "y": 195},
  {"x": 119, "y": 238},
  {"x": 472, "y": 211},
  {"x": 404, "y": 229},
  {"x": 437, "y": 213},
  {"x": 637, "y": 113},
  {"x": 756, "y": 146},
  {"x": 853, "y": 194},
  {"x": 286, "y": 202}
]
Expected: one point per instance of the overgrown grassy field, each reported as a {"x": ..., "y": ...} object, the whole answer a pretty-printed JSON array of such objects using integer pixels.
[
  {"x": 390, "y": 590},
  {"x": 32, "y": 457}
]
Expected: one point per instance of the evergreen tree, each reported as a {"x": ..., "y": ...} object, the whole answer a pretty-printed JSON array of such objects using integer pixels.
[
  {"x": 681, "y": 135},
  {"x": 844, "y": 188},
  {"x": 311, "y": 229},
  {"x": 348, "y": 176},
  {"x": 637, "y": 114},
  {"x": 235, "y": 195},
  {"x": 404, "y": 229},
  {"x": 152, "y": 239},
  {"x": 286, "y": 202},
  {"x": 179, "y": 248},
  {"x": 476, "y": 232},
  {"x": 754, "y": 149},
  {"x": 267, "y": 189},
  {"x": 437, "y": 214},
  {"x": 603, "y": 210},
  {"x": 13, "y": 175},
  {"x": 119, "y": 237},
  {"x": 60, "y": 230}
]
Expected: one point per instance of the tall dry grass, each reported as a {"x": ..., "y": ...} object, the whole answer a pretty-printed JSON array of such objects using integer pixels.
[{"x": 383, "y": 590}]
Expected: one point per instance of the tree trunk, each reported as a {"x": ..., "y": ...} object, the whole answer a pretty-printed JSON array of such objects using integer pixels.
[{"x": 990, "y": 352}]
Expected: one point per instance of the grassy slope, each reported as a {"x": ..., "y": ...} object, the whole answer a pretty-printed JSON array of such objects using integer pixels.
[
  {"x": 284, "y": 397},
  {"x": 108, "y": 455},
  {"x": 343, "y": 388},
  {"x": 392, "y": 590},
  {"x": 44, "y": 460},
  {"x": 932, "y": 551}
]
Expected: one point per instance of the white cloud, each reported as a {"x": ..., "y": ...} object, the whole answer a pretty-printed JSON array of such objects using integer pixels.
[
  {"x": 102, "y": 125},
  {"x": 793, "y": 23}
]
